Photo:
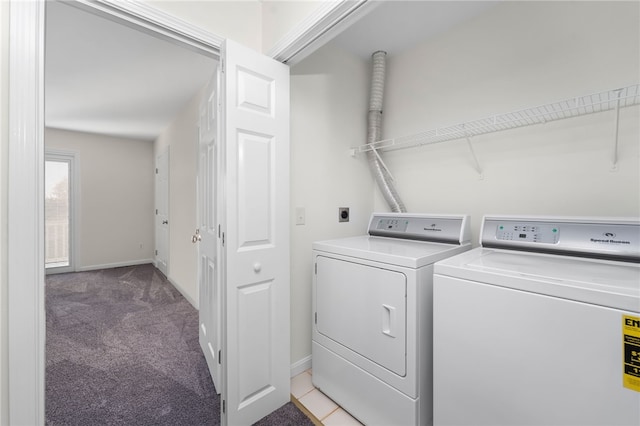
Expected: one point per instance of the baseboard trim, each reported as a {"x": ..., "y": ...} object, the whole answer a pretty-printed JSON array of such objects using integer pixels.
[
  {"x": 300, "y": 366},
  {"x": 184, "y": 294},
  {"x": 134, "y": 263},
  {"x": 114, "y": 265}
]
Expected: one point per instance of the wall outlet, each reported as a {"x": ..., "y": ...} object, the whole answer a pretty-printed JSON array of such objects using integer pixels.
[{"x": 343, "y": 214}]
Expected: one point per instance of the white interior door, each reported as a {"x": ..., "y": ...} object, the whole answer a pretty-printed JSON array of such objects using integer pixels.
[
  {"x": 210, "y": 302},
  {"x": 162, "y": 212},
  {"x": 255, "y": 234}
]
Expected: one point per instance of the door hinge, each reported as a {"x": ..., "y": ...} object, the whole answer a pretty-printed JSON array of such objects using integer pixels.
[
  {"x": 219, "y": 357},
  {"x": 156, "y": 252},
  {"x": 222, "y": 65},
  {"x": 316, "y": 318},
  {"x": 156, "y": 170},
  {"x": 218, "y": 231},
  {"x": 223, "y": 239},
  {"x": 316, "y": 269},
  {"x": 156, "y": 211},
  {"x": 224, "y": 406}
]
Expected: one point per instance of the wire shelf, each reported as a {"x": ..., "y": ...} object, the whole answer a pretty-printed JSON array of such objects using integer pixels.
[{"x": 574, "y": 107}]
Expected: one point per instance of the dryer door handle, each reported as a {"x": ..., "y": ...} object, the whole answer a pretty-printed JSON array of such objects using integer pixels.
[{"x": 389, "y": 320}]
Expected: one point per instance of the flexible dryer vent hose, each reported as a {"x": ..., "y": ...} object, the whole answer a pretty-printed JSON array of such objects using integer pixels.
[{"x": 374, "y": 134}]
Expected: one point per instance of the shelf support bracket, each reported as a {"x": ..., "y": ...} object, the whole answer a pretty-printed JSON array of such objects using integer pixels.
[
  {"x": 475, "y": 157},
  {"x": 614, "y": 165}
]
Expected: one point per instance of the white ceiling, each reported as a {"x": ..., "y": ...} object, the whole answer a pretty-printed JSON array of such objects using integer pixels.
[
  {"x": 397, "y": 25},
  {"x": 103, "y": 77}
]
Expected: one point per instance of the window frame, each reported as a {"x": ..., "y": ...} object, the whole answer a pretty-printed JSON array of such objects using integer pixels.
[{"x": 72, "y": 159}]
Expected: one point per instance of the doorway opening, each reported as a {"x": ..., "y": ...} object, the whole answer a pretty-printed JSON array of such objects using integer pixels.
[{"x": 118, "y": 121}]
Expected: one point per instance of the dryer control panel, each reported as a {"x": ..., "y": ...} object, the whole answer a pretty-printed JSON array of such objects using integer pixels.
[
  {"x": 606, "y": 238},
  {"x": 453, "y": 229}
]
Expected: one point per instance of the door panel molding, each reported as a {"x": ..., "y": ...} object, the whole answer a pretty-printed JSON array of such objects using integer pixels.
[{"x": 256, "y": 279}]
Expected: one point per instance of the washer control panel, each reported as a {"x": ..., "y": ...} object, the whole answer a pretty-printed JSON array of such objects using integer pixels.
[
  {"x": 607, "y": 238},
  {"x": 529, "y": 232}
]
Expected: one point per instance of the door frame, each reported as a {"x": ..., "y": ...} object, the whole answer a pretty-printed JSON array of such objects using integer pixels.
[{"x": 25, "y": 209}]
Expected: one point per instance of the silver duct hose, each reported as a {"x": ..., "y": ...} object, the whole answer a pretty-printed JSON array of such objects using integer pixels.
[{"x": 374, "y": 134}]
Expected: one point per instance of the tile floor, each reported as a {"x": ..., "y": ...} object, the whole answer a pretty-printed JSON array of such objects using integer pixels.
[{"x": 322, "y": 409}]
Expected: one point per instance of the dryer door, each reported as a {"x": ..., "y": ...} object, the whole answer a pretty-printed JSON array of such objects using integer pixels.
[{"x": 364, "y": 309}]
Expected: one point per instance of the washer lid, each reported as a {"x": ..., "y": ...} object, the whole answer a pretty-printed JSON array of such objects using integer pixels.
[
  {"x": 393, "y": 251},
  {"x": 600, "y": 282}
]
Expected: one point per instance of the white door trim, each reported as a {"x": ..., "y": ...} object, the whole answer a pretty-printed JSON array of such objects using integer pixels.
[
  {"x": 326, "y": 22},
  {"x": 25, "y": 266},
  {"x": 25, "y": 257},
  {"x": 155, "y": 22}
]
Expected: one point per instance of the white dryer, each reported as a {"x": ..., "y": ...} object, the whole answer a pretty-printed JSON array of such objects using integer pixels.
[
  {"x": 540, "y": 325},
  {"x": 372, "y": 294}
]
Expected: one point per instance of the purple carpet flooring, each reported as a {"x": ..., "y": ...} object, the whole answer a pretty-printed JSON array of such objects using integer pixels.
[{"x": 122, "y": 349}]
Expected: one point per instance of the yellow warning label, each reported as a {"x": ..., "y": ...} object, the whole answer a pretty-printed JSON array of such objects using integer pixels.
[{"x": 631, "y": 352}]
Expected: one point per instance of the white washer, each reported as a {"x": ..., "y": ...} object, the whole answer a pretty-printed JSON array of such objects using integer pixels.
[
  {"x": 371, "y": 296},
  {"x": 540, "y": 325}
]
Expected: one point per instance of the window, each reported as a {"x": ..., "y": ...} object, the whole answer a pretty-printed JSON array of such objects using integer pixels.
[{"x": 58, "y": 214}]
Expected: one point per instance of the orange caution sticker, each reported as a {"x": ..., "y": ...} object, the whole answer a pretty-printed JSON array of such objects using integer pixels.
[{"x": 631, "y": 352}]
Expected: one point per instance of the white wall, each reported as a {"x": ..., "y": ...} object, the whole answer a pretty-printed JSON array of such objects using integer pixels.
[
  {"x": 181, "y": 137},
  {"x": 116, "y": 197},
  {"x": 329, "y": 102},
  {"x": 518, "y": 55}
]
